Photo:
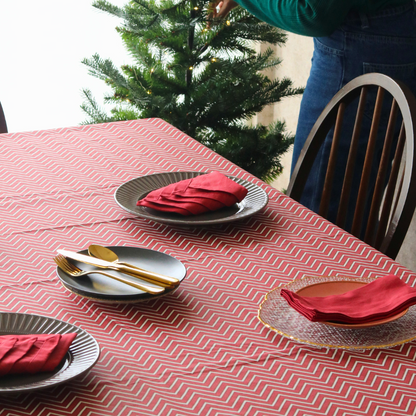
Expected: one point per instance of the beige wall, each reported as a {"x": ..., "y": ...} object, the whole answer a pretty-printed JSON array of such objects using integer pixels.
[{"x": 296, "y": 57}]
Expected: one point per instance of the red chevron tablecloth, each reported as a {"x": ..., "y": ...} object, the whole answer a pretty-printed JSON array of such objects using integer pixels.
[{"x": 202, "y": 349}]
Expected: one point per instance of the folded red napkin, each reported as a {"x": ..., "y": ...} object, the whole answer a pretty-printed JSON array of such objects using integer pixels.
[
  {"x": 197, "y": 195},
  {"x": 32, "y": 353},
  {"x": 380, "y": 299}
]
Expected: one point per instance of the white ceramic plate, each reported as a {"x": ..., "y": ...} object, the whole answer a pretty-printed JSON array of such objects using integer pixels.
[
  {"x": 82, "y": 355},
  {"x": 105, "y": 289},
  {"x": 129, "y": 193}
]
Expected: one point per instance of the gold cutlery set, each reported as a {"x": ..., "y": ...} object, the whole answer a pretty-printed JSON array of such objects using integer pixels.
[{"x": 104, "y": 258}]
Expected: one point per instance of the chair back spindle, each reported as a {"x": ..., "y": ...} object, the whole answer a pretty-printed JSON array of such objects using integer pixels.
[
  {"x": 368, "y": 162},
  {"x": 326, "y": 193},
  {"x": 349, "y": 170}
]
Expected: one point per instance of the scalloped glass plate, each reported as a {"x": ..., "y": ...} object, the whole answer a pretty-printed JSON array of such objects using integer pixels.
[
  {"x": 129, "y": 193},
  {"x": 81, "y": 357},
  {"x": 276, "y": 314}
]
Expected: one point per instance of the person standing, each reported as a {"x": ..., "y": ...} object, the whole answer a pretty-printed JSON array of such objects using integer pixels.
[{"x": 351, "y": 38}]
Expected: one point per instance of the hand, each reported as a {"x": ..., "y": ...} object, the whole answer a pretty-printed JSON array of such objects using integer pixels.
[{"x": 225, "y": 6}]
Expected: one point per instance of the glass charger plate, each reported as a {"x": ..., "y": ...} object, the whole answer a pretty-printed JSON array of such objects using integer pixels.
[
  {"x": 82, "y": 355},
  {"x": 276, "y": 314},
  {"x": 105, "y": 289},
  {"x": 129, "y": 193}
]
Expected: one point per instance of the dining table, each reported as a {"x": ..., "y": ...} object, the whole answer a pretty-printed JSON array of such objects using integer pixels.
[{"x": 204, "y": 348}]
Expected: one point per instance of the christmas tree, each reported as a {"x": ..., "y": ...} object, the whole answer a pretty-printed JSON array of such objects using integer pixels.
[{"x": 200, "y": 74}]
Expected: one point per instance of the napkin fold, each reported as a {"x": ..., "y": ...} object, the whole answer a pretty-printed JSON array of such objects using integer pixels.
[
  {"x": 197, "y": 195},
  {"x": 32, "y": 353},
  {"x": 382, "y": 298}
]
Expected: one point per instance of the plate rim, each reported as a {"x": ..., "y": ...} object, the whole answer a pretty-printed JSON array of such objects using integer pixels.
[
  {"x": 134, "y": 298},
  {"x": 178, "y": 221},
  {"x": 64, "y": 327}
]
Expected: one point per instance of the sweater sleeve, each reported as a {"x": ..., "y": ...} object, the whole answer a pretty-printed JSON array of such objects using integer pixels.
[{"x": 304, "y": 17}]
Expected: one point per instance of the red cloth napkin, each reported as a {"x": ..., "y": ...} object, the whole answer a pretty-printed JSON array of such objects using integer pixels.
[
  {"x": 197, "y": 195},
  {"x": 32, "y": 353},
  {"x": 380, "y": 299}
]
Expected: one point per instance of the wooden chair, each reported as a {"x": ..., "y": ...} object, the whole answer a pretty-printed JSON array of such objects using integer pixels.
[
  {"x": 3, "y": 125},
  {"x": 391, "y": 198}
]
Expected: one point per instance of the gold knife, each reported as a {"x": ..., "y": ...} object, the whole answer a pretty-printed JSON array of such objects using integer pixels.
[{"x": 152, "y": 277}]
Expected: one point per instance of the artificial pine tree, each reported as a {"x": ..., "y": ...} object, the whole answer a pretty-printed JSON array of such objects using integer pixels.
[{"x": 199, "y": 74}]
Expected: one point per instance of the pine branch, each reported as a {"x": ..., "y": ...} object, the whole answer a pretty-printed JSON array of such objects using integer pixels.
[{"x": 90, "y": 106}]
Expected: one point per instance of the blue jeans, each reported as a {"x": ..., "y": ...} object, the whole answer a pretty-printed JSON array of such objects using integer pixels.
[{"x": 383, "y": 42}]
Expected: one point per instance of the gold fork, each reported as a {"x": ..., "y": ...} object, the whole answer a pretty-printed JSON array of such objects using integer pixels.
[{"x": 74, "y": 271}]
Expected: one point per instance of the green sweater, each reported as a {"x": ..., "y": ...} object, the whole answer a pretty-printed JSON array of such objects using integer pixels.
[{"x": 312, "y": 17}]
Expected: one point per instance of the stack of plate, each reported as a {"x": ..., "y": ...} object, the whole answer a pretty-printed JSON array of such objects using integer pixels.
[
  {"x": 82, "y": 355},
  {"x": 276, "y": 314},
  {"x": 129, "y": 193},
  {"x": 104, "y": 289}
]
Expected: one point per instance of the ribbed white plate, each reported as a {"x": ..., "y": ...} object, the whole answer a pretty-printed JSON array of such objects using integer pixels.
[
  {"x": 82, "y": 355},
  {"x": 129, "y": 193}
]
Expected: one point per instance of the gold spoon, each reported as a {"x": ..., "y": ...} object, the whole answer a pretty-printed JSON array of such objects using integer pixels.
[{"x": 105, "y": 253}]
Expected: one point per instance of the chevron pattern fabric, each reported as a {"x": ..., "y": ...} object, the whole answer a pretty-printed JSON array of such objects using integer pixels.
[{"x": 201, "y": 350}]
